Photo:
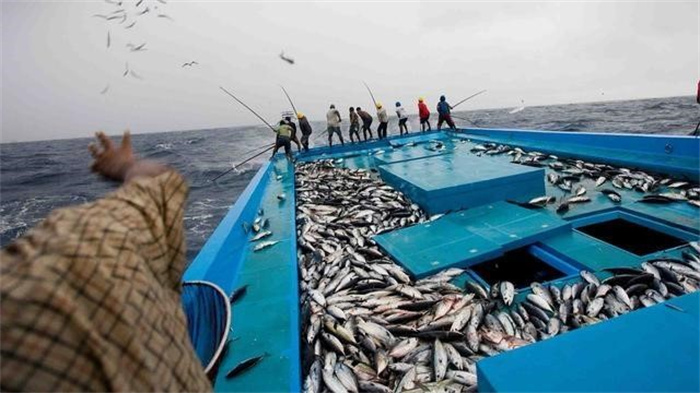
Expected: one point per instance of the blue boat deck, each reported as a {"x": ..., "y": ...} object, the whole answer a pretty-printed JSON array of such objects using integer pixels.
[
  {"x": 650, "y": 350},
  {"x": 266, "y": 319}
]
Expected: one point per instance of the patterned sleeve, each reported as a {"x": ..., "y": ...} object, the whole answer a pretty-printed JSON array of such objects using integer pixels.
[{"x": 91, "y": 297}]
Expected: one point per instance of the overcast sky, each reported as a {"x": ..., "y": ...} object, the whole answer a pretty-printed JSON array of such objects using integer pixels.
[{"x": 55, "y": 60}]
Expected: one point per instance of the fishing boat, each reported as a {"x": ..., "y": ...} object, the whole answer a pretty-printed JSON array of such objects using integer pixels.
[{"x": 495, "y": 207}]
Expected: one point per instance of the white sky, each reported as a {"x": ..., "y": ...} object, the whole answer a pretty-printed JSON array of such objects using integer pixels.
[{"x": 55, "y": 61}]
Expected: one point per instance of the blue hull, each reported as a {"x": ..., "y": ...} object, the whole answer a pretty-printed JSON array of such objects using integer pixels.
[{"x": 268, "y": 318}]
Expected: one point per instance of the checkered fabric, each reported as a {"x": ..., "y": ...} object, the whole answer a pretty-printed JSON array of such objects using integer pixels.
[{"x": 91, "y": 297}]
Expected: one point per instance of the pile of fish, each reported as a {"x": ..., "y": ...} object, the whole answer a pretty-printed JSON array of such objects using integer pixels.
[
  {"x": 368, "y": 326},
  {"x": 566, "y": 173}
]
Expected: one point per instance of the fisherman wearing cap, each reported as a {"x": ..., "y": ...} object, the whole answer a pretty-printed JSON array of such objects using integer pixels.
[
  {"x": 334, "y": 119},
  {"x": 443, "y": 109},
  {"x": 354, "y": 125},
  {"x": 423, "y": 114},
  {"x": 284, "y": 136},
  {"x": 383, "y": 121},
  {"x": 366, "y": 122},
  {"x": 403, "y": 118},
  {"x": 305, "y": 128},
  {"x": 288, "y": 118}
]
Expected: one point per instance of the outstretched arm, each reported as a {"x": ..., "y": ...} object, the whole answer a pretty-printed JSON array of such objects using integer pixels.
[{"x": 119, "y": 163}]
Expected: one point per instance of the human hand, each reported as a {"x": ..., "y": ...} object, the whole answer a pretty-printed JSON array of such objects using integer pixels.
[{"x": 110, "y": 161}]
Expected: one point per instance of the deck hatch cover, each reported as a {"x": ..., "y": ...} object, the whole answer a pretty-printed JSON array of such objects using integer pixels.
[
  {"x": 518, "y": 266},
  {"x": 637, "y": 239}
]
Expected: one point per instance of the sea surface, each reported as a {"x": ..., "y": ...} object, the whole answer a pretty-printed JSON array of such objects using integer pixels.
[{"x": 37, "y": 177}]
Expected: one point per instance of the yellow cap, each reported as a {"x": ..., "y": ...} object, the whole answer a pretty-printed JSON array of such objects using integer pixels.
[
  {"x": 379, "y": 105},
  {"x": 299, "y": 115},
  {"x": 420, "y": 99}
]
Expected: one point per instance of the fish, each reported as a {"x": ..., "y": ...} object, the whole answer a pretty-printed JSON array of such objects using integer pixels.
[
  {"x": 507, "y": 291},
  {"x": 237, "y": 294},
  {"x": 419, "y": 334},
  {"x": 612, "y": 195},
  {"x": 244, "y": 365},
  {"x": 439, "y": 360},
  {"x": 260, "y": 235},
  {"x": 264, "y": 245}
]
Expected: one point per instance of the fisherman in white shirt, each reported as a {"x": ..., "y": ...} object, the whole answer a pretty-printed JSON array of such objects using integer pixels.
[
  {"x": 383, "y": 121},
  {"x": 403, "y": 118},
  {"x": 334, "y": 119}
]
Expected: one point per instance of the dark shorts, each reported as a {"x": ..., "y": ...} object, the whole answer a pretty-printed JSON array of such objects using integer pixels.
[
  {"x": 402, "y": 122},
  {"x": 366, "y": 124},
  {"x": 283, "y": 141},
  {"x": 447, "y": 119},
  {"x": 424, "y": 119},
  {"x": 354, "y": 127},
  {"x": 334, "y": 130}
]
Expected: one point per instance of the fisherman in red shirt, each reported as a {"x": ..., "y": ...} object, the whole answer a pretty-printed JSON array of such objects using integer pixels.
[{"x": 423, "y": 114}]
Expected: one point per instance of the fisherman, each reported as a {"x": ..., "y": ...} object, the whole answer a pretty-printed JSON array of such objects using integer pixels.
[
  {"x": 284, "y": 136},
  {"x": 401, "y": 114},
  {"x": 90, "y": 297},
  {"x": 333, "y": 118},
  {"x": 443, "y": 109},
  {"x": 305, "y": 130},
  {"x": 383, "y": 119},
  {"x": 293, "y": 138},
  {"x": 354, "y": 125},
  {"x": 366, "y": 122},
  {"x": 423, "y": 114}
]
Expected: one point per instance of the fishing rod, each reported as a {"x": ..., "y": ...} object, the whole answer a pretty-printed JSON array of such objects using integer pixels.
[
  {"x": 247, "y": 107},
  {"x": 243, "y": 162},
  {"x": 370, "y": 93},
  {"x": 258, "y": 148},
  {"x": 468, "y": 98},
  {"x": 290, "y": 102},
  {"x": 466, "y": 119}
]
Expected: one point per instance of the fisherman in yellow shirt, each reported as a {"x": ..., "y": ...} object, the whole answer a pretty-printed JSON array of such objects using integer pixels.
[{"x": 284, "y": 139}]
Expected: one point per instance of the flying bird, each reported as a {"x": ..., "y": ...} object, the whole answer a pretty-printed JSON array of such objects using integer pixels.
[
  {"x": 135, "y": 75},
  {"x": 105, "y": 90},
  {"x": 285, "y": 58},
  {"x": 144, "y": 11},
  {"x": 138, "y": 3},
  {"x": 126, "y": 71},
  {"x": 137, "y": 48},
  {"x": 165, "y": 17},
  {"x": 131, "y": 25},
  {"x": 190, "y": 64},
  {"x": 109, "y": 40}
]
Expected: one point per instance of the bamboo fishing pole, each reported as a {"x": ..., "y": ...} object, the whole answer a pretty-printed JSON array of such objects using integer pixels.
[
  {"x": 243, "y": 162},
  {"x": 261, "y": 119},
  {"x": 464, "y": 118},
  {"x": 370, "y": 93},
  {"x": 290, "y": 102},
  {"x": 247, "y": 107},
  {"x": 468, "y": 98}
]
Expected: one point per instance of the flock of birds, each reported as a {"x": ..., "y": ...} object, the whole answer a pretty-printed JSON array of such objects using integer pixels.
[{"x": 127, "y": 14}]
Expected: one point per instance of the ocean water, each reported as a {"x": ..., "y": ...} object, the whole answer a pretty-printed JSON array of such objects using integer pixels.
[{"x": 37, "y": 177}]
